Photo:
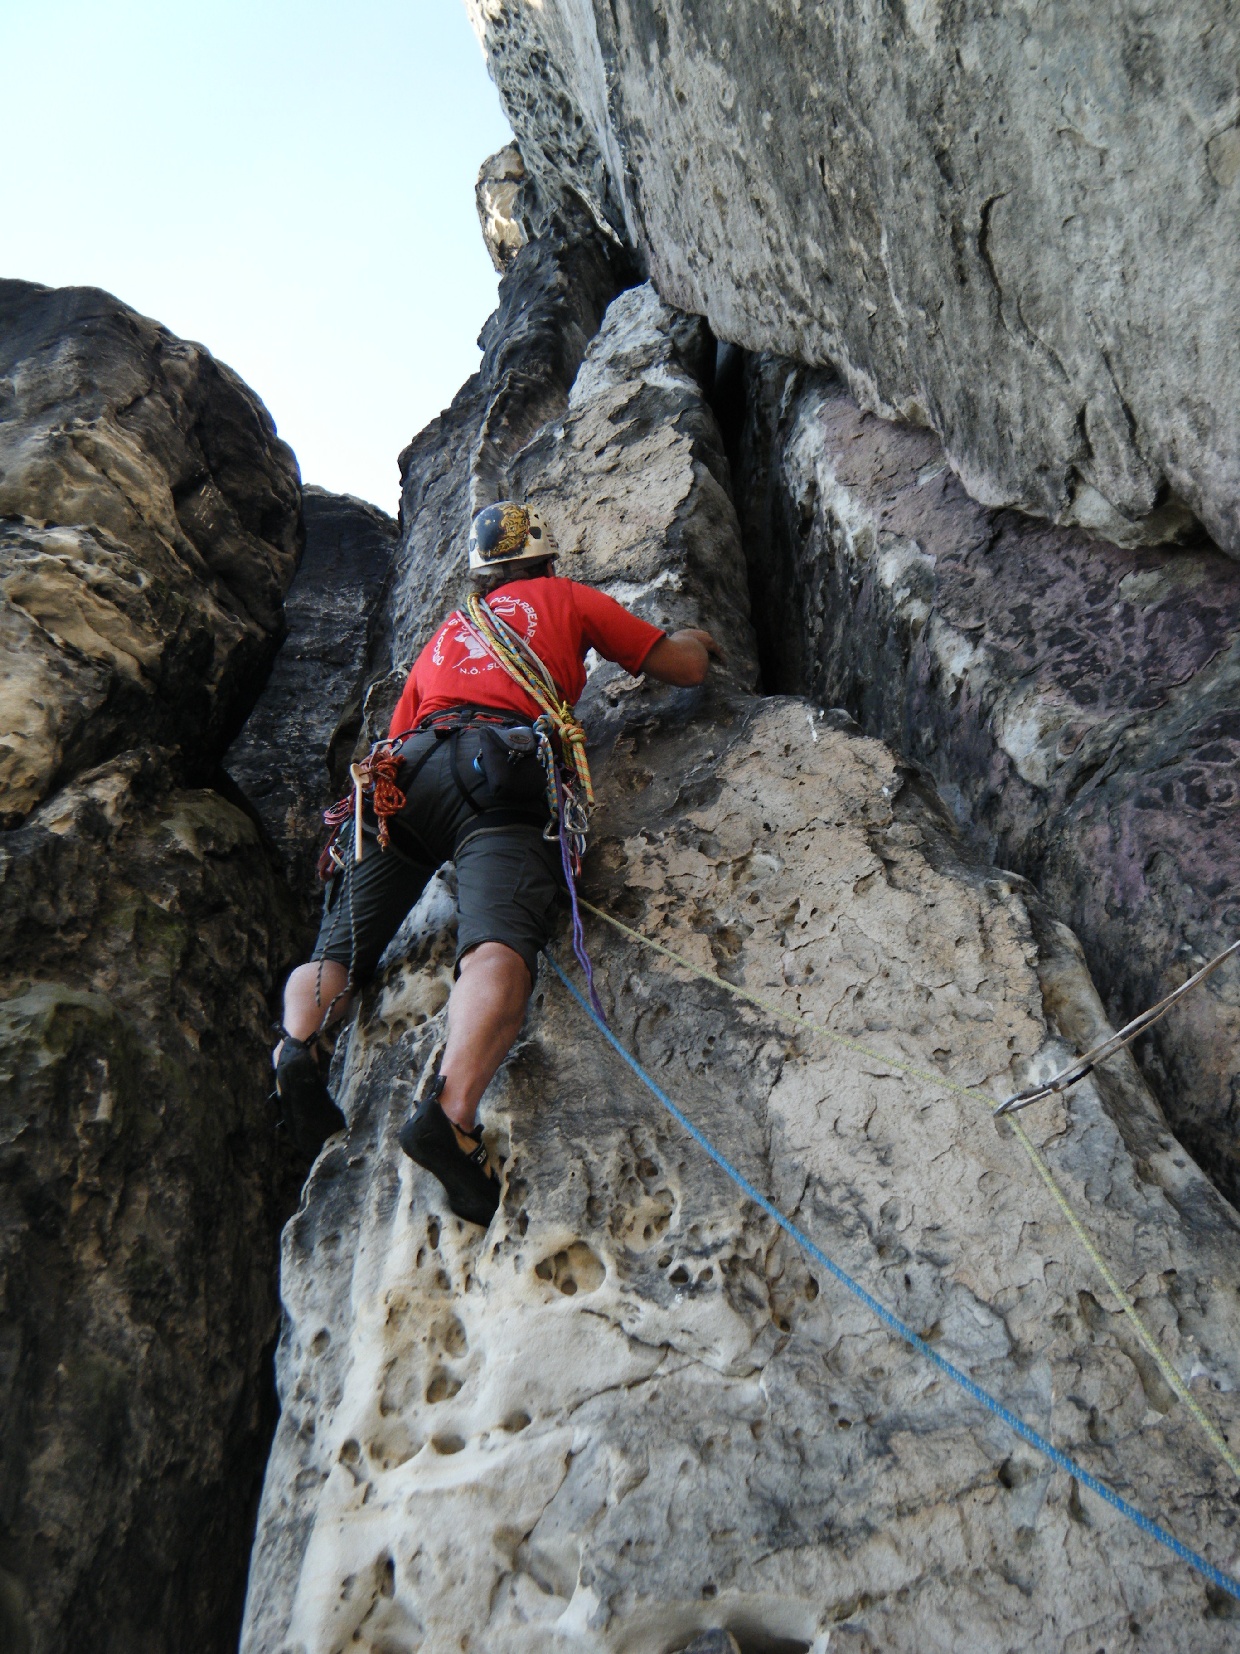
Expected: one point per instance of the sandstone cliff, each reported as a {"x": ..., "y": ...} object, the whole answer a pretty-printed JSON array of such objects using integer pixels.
[
  {"x": 1012, "y": 237},
  {"x": 630, "y": 1416},
  {"x": 1014, "y": 225}
]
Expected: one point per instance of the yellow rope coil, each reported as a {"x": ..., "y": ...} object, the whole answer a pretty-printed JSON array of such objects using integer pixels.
[{"x": 1164, "y": 1363}]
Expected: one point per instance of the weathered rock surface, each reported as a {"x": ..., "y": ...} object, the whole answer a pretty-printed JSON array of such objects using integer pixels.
[
  {"x": 148, "y": 529},
  {"x": 551, "y": 301},
  {"x": 1078, "y": 704},
  {"x": 629, "y": 1415},
  {"x": 497, "y": 196},
  {"x": 150, "y": 524},
  {"x": 1015, "y": 226},
  {"x": 291, "y": 759}
]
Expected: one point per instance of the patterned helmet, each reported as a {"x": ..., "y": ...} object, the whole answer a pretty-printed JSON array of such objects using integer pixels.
[{"x": 509, "y": 533}]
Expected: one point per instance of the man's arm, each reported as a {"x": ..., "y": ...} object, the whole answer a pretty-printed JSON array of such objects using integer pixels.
[{"x": 683, "y": 658}]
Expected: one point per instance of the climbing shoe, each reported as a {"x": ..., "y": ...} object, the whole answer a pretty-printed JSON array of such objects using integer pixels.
[
  {"x": 428, "y": 1138},
  {"x": 309, "y": 1114}
]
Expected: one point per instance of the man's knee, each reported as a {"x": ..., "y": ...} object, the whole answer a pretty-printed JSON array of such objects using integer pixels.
[{"x": 497, "y": 959}]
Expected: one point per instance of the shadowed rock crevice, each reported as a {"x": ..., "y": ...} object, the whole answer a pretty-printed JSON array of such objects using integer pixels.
[{"x": 292, "y": 757}]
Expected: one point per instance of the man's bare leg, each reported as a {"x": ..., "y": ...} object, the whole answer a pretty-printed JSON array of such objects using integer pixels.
[
  {"x": 307, "y": 994},
  {"x": 485, "y": 1013}
]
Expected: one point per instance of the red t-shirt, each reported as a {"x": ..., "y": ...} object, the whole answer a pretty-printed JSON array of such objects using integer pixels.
[{"x": 559, "y": 619}]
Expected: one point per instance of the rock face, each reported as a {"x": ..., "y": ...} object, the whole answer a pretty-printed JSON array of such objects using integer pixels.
[
  {"x": 551, "y": 301},
  {"x": 150, "y": 524},
  {"x": 1078, "y": 704},
  {"x": 629, "y": 1416},
  {"x": 497, "y": 196},
  {"x": 291, "y": 759},
  {"x": 1015, "y": 227}
]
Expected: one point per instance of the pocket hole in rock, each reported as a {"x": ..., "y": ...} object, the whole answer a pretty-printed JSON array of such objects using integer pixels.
[
  {"x": 516, "y": 1422},
  {"x": 350, "y": 1452},
  {"x": 447, "y": 1444},
  {"x": 577, "y": 1268},
  {"x": 679, "y": 1276},
  {"x": 448, "y": 1332},
  {"x": 442, "y": 1387},
  {"x": 320, "y": 1341},
  {"x": 395, "y": 1447}
]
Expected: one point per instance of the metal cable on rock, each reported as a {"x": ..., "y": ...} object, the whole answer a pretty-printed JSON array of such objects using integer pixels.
[
  {"x": 1165, "y": 1365},
  {"x": 1062, "y": 1461}
]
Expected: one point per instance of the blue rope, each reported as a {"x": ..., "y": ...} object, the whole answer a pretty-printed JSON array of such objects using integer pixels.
[{"x": 1223, "y": 1581}]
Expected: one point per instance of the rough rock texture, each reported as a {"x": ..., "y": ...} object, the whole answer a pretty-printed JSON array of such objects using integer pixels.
[
  {"x": 551, "y": 300},
  {"x": 1077, "y": 704},
  {"x": 148, "y": 530},
  {"x": 1013, "y": 224},
  {"x": 291, "y": 759},
  {"x": 151, "y": 521},
  {"x": 497, "y": 196},
  {"x": 629, "y": 1414}
]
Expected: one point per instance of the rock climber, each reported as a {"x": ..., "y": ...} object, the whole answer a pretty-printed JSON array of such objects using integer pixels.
[{"x": 467, "y": 762}]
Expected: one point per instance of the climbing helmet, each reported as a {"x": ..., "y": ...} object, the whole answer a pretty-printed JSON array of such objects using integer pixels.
[{"x": 508, "y": 532}]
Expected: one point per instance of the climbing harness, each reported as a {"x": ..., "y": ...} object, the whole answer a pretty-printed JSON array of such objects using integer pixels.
[
  {"x": 1134, "y": 1317},
  {"x": 1108, "y": 1047},
  {"x": 510, "y": 650},
  {"x": 1062, "y": 1461},
  {"x": 569, "y": 802},
  {"x": 374, "y": 775}
]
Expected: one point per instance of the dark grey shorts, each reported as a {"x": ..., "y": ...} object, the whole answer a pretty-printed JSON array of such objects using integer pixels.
[{"x": 508, "y": 875}]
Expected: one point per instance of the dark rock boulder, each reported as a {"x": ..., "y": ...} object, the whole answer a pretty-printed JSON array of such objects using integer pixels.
[
  {"x": 1077, "y": 704},
  {"x": 149, "y": 527},
  {"x": 149, "y": 524},
  {"x": 141, "y": 1192}
]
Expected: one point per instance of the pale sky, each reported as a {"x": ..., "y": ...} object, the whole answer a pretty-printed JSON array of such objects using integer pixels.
[{"x": 290, "y": 184}]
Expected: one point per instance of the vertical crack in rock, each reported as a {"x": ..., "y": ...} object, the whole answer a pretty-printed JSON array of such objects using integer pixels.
[{"x": 629, "y": 1416}]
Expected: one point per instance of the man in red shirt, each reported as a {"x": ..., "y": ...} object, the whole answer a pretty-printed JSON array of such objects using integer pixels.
[{"x": 474, "y": 793}]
